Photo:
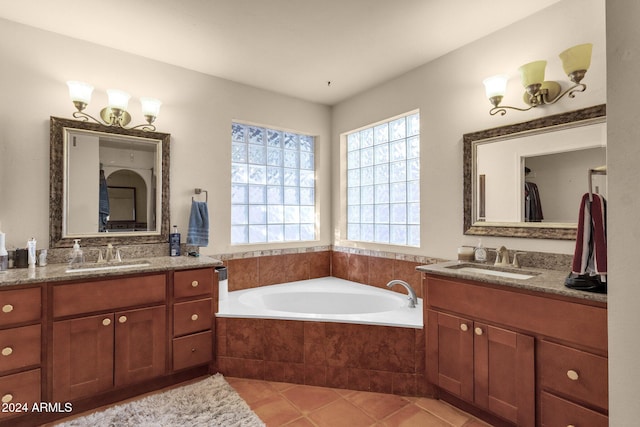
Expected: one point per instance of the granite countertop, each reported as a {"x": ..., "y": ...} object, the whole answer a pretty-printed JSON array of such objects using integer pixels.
[
  {"x": 58, "y": 272},
  {"x": 545, "y": 281}
]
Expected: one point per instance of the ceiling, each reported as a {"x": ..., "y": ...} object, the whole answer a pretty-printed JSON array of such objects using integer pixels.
[{"x": 318, "y": 50}]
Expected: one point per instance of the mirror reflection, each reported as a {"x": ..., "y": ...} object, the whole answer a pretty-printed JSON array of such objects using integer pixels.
[
  {"x": 108, "y": 185},
  {"x": 527, "y": 180}
]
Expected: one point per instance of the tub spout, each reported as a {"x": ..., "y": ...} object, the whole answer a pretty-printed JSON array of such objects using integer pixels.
[{"x": 413, "y": 300}]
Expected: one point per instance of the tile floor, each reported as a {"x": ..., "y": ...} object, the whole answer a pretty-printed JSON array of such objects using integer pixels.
[{"x": 282, "y": 404}]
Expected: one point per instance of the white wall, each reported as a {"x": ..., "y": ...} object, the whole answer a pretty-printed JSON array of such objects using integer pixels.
[
  {"x": 451, "y": 99},
  {"x": 623, "y": 157},
  {"x": 197, "y": 110}
]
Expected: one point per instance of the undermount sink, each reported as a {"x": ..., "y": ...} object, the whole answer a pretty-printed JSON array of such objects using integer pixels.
[
  {"x": 107, "y": 267},
  {"x": 493, "y": 271}
]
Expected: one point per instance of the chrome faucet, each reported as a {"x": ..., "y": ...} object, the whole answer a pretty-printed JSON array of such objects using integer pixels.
[
  {"x": 413, "y": 299},
  {"x": 502, "y": 256}
]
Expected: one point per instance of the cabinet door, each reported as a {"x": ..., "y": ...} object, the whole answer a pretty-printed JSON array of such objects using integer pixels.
[
  {"x": 450, "y": 353},
  {"x": 140, "y": 344},
  {"x": 504, "y": 373},
  {"x": 82, "y": 357}
]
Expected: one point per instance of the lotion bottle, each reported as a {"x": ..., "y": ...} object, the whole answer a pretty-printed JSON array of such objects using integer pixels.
[
  {"x": 31, "y": 252},
  {"x": 174, "y": 242}
]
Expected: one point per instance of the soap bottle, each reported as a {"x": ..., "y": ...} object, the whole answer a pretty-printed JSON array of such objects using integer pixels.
[
  {"x": 4, "y": 255},
  {"x": 77, "y": 257},
  {"x": 480, "y": 253},
  {"x": 174, "y": 242}
]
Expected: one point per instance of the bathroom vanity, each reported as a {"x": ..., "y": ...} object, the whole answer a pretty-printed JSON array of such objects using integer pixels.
[
  {"x": 525, "y": 352},
  {"x": 74, "y": 341}
]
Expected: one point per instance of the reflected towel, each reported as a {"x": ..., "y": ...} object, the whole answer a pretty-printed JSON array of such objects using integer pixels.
[
  {"x": 590, "y": 256},
  {"x": 198, "y": 232},
  {"x": 103, "y": 204}
]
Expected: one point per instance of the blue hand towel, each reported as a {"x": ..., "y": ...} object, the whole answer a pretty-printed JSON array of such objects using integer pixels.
[{"x": 198, "y": 233}]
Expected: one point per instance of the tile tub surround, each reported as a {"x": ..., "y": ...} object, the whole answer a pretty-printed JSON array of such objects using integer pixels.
[{"x": 347, "y": 356}]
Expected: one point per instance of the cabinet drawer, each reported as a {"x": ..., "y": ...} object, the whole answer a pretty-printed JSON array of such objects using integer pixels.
[
  {"x": 574, "y": 373},
  {"x": 20, "y": 388},
  {"x": 19, "y": 347},
  {"x": 21, "y": 305},
  {"x": 192, "y": 350},
  {"x": 192, "y": 283},
  {"x": 192, "y": 316},
  {"x": 108, "y": 294},
  {"x": 559, "y": 412}
]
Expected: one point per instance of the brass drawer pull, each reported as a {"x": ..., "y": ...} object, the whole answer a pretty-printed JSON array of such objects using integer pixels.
[
  {"x": 194, "y": 317},
  {"x": 194, "y": 284},
  {"x": 464, "y": 327},
  {"x": 106, "y": 322},
  {"x": 7, "y": 398},
  {"x": 7, "y": 308},
  {"x": 122, "y": 319},
  {"x": 573, "y": 375},
  {"x": 479, "y": 331},
  {"x": 7, "y": 351},
  {"x": 193, "y": 350}
]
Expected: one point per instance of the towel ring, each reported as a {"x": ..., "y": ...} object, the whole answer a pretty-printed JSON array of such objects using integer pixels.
[{"x": 199, "y": 191}]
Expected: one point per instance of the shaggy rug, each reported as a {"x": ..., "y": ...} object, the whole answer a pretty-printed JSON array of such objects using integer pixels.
[{"x": 210, "y": 402}]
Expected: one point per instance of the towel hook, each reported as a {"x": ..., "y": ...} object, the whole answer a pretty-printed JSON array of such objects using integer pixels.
[
  {"x": 601, "y": 170},
  {"x": 199, "y": 191}
]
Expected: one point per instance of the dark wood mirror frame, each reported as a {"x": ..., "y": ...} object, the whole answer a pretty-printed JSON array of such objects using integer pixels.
[
  {"x": 532, "y": 230},
  {"x": 56, "y": 186}
]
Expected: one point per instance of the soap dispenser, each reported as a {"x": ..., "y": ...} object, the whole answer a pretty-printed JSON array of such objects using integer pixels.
[
  {"x": 480, "y": 254},
  {"x": 4, "y": 255},
  {"x": 77, "y": 257}
]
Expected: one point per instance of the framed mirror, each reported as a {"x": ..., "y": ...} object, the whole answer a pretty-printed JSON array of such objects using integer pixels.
[
  {"x": 527, "y": 179},
  {"x": 107, "y": 185}
]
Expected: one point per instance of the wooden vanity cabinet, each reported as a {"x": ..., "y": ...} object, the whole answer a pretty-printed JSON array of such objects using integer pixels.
[
  {"x": 529, "y": 358},
  {"x": 491, "y": 367},
  {"x": 20, "y": 349},
  {"x": 107, "y": 334},
  {"x": 193, "y": 314}
]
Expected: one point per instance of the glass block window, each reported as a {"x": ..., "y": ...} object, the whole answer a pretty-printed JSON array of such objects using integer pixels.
[
  {"x": 383, "y": 182},
  {"x": 272, "y": 185}
]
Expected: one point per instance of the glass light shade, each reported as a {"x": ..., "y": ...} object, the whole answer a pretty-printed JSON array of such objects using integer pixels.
[
  {"x": 495, "y": 85},
  {"x": 576, "y": 58},
  {"x": 80, "y": 91},
  {"x": 150, "y": 106},
  {"x": 118, "y": 99},
  {"x": 532, "y": 73}
]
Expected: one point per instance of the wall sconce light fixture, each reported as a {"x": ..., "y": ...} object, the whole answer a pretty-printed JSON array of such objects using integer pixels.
[
  {"x": 575, "y": 61},
  {"x": 115, "y": 114}
]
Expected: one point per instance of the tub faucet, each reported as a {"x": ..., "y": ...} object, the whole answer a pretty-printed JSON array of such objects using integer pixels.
[{"x": 413, "y": 300}]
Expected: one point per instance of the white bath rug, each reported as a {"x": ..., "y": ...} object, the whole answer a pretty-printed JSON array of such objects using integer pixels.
[{"x": 210, "y": 402}]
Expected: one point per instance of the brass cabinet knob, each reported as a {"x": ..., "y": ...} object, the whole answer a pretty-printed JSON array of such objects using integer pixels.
[
  {"x": 7, "y": 351},
  {"x": 122, "y": 319},
  {"x": 464, "y": 327},
  {"x": 478, "y": 331},
  {"x": 573, "y": 375},
  {"x": 194, "y": 317},
  {"x": 7, "y": 308},
  {"x": 194, "y": 284},
  {"x": 106, "y": 322},
  {"x": 7, "y": 398},
  {"x": 193, "y": 350}
]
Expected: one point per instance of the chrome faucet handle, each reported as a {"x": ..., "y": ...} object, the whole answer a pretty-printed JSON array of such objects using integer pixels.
[
  {"x": 118, "y": 256},
  {"x": 515, "y": 262}
]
